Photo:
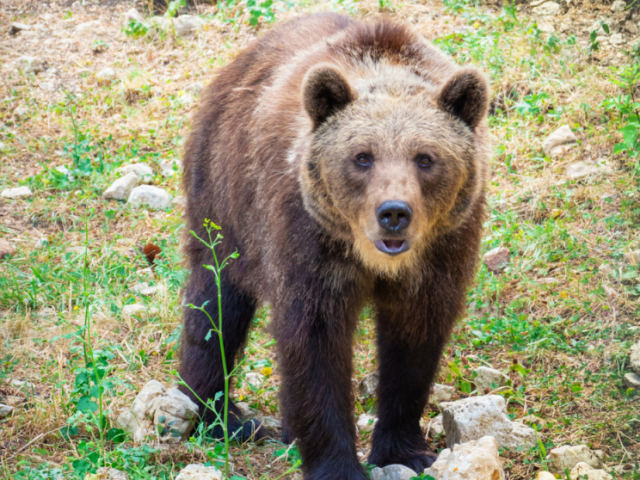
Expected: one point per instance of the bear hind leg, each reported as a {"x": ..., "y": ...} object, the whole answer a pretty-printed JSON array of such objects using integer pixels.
[{"x": 200, "y": 355}]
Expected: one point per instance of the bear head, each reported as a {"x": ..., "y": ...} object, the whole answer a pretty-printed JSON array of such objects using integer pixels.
[{"x": 393, "y": 161}]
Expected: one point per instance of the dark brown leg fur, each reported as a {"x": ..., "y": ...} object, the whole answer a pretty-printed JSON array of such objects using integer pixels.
[{"x": 201, "y": 361}]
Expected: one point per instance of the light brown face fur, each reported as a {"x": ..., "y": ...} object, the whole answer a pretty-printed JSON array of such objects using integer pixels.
[{"x": 397, "y": 124}]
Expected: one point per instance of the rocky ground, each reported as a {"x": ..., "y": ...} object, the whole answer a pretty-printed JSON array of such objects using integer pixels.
[{"x": 542, "y": 377}]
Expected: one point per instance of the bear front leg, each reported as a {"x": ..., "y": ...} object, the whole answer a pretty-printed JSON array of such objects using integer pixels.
[
  {"x": 407, "y": 366},
  {"x": 201, "y": 359},
  {"x": 315, "y": 358}
]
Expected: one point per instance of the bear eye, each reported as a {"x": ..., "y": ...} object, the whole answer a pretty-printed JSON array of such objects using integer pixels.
[
  {"x": 424, "y": 160},
  {"x": 364, "y": 159}
]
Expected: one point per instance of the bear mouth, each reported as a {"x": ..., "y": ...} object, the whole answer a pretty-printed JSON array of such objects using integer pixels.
[{"x": 393, "y": 246}]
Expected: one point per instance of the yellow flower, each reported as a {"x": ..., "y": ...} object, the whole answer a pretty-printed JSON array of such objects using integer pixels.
[{"x": 266, "y": 371}]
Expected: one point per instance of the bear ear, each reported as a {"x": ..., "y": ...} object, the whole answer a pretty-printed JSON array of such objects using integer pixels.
[
  {"x": 325, "y": 93},
  {"x": 466, "y": 95}
]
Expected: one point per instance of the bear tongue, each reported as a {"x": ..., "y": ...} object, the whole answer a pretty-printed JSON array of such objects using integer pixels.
[{"x": 393, "y": 244}]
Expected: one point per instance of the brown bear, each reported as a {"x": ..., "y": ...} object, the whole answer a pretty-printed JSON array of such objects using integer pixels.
[{"x": 346, "y": 164}]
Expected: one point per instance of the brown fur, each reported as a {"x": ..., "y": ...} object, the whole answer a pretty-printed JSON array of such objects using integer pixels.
[{"x": 271, "y": 159}]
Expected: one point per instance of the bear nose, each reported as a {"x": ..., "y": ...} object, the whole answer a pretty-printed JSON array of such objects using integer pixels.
[{"x": 394, "y": 216}]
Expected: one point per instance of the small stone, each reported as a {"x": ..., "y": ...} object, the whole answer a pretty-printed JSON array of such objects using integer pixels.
[
  {"x": 170, "y": 167},
  {"x": 434, "y": 426},
  {"x": 6, "y": 249},
  {"x": 618, "y": 6},
  {"x": 366, "y": 422},
  {"x": 134, "y": 14},
  {"x": 18, "y": 27},
  {"x": 583, "y": 470},
  {"x": 147, "y": 195},
  {"x": 547, "y": 8},
  {"x": 254, "y": 379},
  {"x": 440, "y": 393},
  {"x": 63, "y": 170},
  {"x": 632, "y": 380},
  {"x": 475, "y": 417},
  {"x": 569, "y": 456},
  {"x": 246, "y": 410},
  {"x": 77, "y": 250},
  {"x": 144, "y": 289},
  {"x": 91, "y": 25},
  {"x": 18, "y": 192},
  {"x": 368, "y": 386},
  {"x": 497, "y": 259},
  {"x": 489, "y": 378},
  {"x": 5, "y": 410},
  {"x": 121, "y": 188},
  {"x": 616, "y": 39},
  {"x": 587, "y": 168},
  {"x": 545, "y": 25},
  {"x": 632, "y": 258},
  {"x": 105, "y": 473},
  {"x": 186, "y": 100},
  {"x": 635, "y": 358},
  {"x": 31, "y": 64},
  {"x": 22, "y": 384},
  {"x": 631, "y": 27},
  {"x": 186, "y": 25},
  {"x": 106, "y": 74},
  {"x": 196, "y": 471},
  {"x": 607, "y": 269},
  {"x": 393, "y": 472},
  {"x": 545, "y": 476},
  {"x": 533, "y": 420},
  {"x": 142, "y": 170},
  {"x": 195, "y": 88},
  {"x": 21, "y": 111},
  {"x": 270, "y": 422},
  {"x": 559, "y": 142},
  {"x": 137, "y": 310},
  {"x": 181, "y": 201},
  {"x": 177, "y": 413},
  {"x": 474, "y": 460}
]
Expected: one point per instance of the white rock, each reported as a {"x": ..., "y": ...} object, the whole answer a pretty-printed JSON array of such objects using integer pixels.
[
  {"x": 366, "y": 422},
  {"x": 582, "y": 470},
  {"x": 475, "y": 460},
  {"x": 63, "y": 170},
  {"x": 105, "y": 473},
  {"x": 181, "y": 201},
  {"x": 434, "y": 426},
  {"x": 48, "y": 86},
  {"x": 545, "y": 476},
  {"x": 440, "y": 393},
  {"x": 475, "y": 417},
  {"x": 254, "y": 379},
  {"x": 122, "y": 187},
  {"x": 153, "y": 402},
  {"x": 393, "y": 472},
  {"x": 497, "y": 259},
  {"x": 31, "y": 64},
  {"x": 632, "y": 380},
  {"x": 270, "y": 422},
  {"x": 137, "y": 310},
  {"x": 18, "y": 27},
  {"x": 196, "y": 471},
  {"x": 92, "y": 26},
  {"x": 545, "y": 25},
  {"x": 21, "y": 111},
  {"x": 246, "y": 410},
  {"x": 177, "y": 412},
  {"x": 6, "y": 248},
  {"x": 583, "y": 169},
  {"x": 616, "y": 39},
  {"x": 18, "y": 192},
  {"x": 559, "y": 142},
  {"x": 134, "y": 14},
  {"x": 170, "y": 167},
  {"x": 635, "y": 358},
  {"x": 569, "y": 456},
  {"x": 5, "y": 410},
  {"x": 77, "y": 250},
  {"x": 368, "y": 386},
  {"x": 142, "y": 170},
  {"x": 144, "y": 289},
  {"x": 106, "y": 74},
  {"x": 150, "y": 196},
  {"x": 618, "y": 6},
  {"x": 186, "y": 100},
  {"x": 186, "y": 25},
  {"x": 547, "y": 8},
  {"x": 42, "y": 242},
  {"x": 489, "y": 378},
  {"x": 195, "y": 88}
]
